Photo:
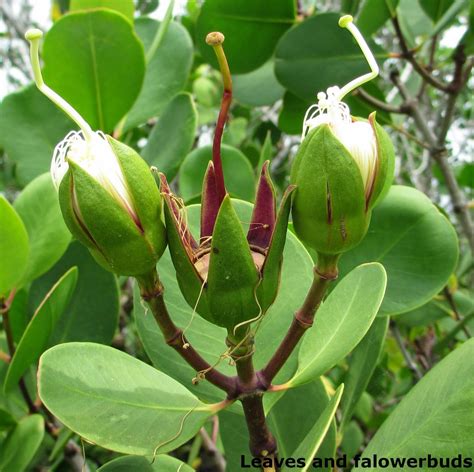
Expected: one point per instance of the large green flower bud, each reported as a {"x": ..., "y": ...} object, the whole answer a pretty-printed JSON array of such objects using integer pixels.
[
  {"x": 343, "y": 167},
  {"x": 110, "y": 202},
  {"x": 340, "y": 172},
  {"x": 108, "y": 196}
]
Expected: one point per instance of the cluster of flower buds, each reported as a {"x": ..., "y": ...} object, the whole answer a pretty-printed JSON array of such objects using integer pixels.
[
  {"x": 342, "y": 168},
  {"x": 112, "y": 204}
]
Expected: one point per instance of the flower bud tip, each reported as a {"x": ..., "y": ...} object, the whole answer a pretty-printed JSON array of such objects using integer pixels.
[
  {"x": 215, "y": 38},
  {"x": 345, "y": 20},
  {"x": 33, "y": 34}
]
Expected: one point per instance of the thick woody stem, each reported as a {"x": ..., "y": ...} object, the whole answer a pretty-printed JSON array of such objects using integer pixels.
[
  {"x": 324, "y": 273},
  {"x": 262, "y": 444},
  {"x": 152, "y": 292},
  {"x": 215, "y": 40}
]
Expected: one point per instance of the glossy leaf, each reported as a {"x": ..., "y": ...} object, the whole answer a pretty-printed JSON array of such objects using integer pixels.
[
  {"x": 294, "y": 416},
  {"x": 238, "y": 173},
  {"x": 30, "y": 128},
  {"x": 172, "y": 138},
  {"x": 435, "y": 9},
  {"x": 161, "y": 463},
  {"x": 311, "y": 444},
  {"x": 361, "y": 366},
  {"x": 436, "y": 416},
  {"x": 7, "y": 421},
  {"x": 209, "y": 339},
  {"x": 38, "y": 206},
  {"x": 125, "y": 7},
  {"x": 14, "y": 247},
  {"x": 92, "y": 313},
  {"x": 317, "y": 54},
  {"x": 96, "y": 62},
  {"x": 21, "y": 444},
  {"x": 258, "y": 88},
  {"x": 251, "y": 29},
  {"x": 373, "y": 14},
  {"x": 166, "y": 72},
  {"x": 38, "y": 332},
  {"x": 117, "y": 401},
  {"x": 416, "y": 244},
  {"x": 341, "y": 322}
]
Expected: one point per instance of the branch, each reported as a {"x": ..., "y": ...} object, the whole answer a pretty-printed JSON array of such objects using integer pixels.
[
  {"x": 152, "y": 292},
  {"x": 302, "y": 321},
  {"x": 410, "y": 57},
  {"x": 406, "y": 355},
  {"x": 371, "y": 100}
]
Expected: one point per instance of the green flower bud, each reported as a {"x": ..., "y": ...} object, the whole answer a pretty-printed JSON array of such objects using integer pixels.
[
  {"x": 110, "y": 202},
  {"x": 343, "y": 167},
  {"x": 108, "y": 196}
]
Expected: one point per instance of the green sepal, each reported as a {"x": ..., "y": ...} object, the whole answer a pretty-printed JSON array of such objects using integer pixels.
[
  {"x": 329, "y": 209},
  {"x": 189, "y": 280},
  {"x": 271, "y": 270},
  {"x": 145, "y": 194},
  {"x": 233, "y": 277},
  {"x": 119, "y": 244},
  {"x": 385, "y": 164}
]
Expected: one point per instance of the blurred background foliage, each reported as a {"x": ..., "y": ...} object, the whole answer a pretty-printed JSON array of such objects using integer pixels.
[{"x": 151, "y": 81}]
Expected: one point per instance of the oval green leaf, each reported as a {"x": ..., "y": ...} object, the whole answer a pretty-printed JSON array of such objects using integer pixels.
[
  {"x": 92, "y": 313},
  {"x": 14, "y": 247},
  {"x": 166, "y": 72},
  {"x": 95, "y": 61},
  {"x": 125, "y": 7},
  {"x": 38, "y": 206},
  {"x": 238, "y": 173},
  {"x": 317, "y": 54},
  {"x": 21, "y": 444},
  {"x": 251, "y": 29},
  {"x": 36, "y": 336},
  {"x": 341, "y": 322},
  {"x": 172, "y": 137},
  {"x": 436, "y": 416},
  {"x": 416, "y": 244},
  {"x": 117, "y": 401}
]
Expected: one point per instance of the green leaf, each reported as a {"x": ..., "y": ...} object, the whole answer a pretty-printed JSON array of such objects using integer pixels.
[
  {"x": 362, "y": 364},
  {"x": 414, "y": 22},
  {"x": 38, "y": 332},
  {"x": 21, "y": 444},
  {"x": 38, "y": 206},
  {"x": 265, "y": 152},
  {"x": 290, "y": 119},
  {"x": 238, "y": 173},
  {"x": 209, "y": 339},
  {"x": 311, "y": 444},
  {"x": 415, "y": 243},
  {"x": 95, "y": 61},
  {"x": 166, "y": 72},
  {"x": 258, "y": 88},
  {"x": 317, "y": 54},
  {"x": 172, "y": 137},
  {"x": 251, "y": 29},
  {"x": 92, "y": 313},
  {"x": 7, "y": 421},
  {"x": 373, "y": 14},
  {"x": 435, "y": 9},
  {"x": 30, "y": 128},
  {"x": 341, "y": 322},
  {"x": 14, "y": 247},
  {"x": 436, "y": 416},
  {"x": 293, "y": 417},
  {"x": 125, "y": 7},
  {"x": 117, "y": 401},
  {"x": 161, "y": 463}
]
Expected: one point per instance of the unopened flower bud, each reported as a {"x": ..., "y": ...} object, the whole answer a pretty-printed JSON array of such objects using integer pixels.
[
  {"x": 108, "y": 196},
  {"x": 343, "y": 166}
]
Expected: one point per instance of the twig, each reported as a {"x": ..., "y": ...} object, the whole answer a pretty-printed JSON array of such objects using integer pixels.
[
  {"x": 371, "y": 100},
  {"x": 457, "y": 315},
  {"x": 406, "y": 355},
  {"x": 211, "y": 448}
]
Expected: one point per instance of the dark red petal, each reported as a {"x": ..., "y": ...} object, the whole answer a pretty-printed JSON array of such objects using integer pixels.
[
  {"x": 264, "y": 212},
  {"x": 210, "y": 203}
]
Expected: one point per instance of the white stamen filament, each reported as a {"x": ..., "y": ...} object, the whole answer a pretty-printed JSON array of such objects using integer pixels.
[{"x": 357, "y": 136}]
